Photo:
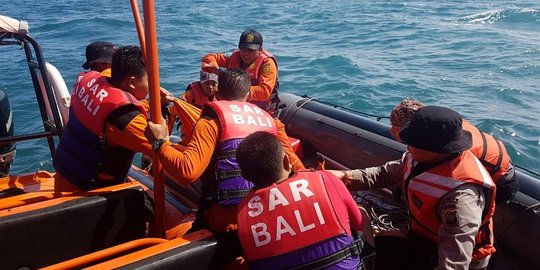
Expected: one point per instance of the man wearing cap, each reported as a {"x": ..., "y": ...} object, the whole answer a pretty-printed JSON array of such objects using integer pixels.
[
  {"x": 262, "y": 67},
  {"x": 99, "y": 56},
  {"x": 449, "y": 194}
]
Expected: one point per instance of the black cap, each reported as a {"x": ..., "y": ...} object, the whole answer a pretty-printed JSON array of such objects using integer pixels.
[
  {"x": 437, "y": 129},
  {"x": 250, "y": 39},
  {"x": 99, "y": 51}
]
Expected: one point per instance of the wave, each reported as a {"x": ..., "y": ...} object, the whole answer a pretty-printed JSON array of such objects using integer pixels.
[{"x": 510, "y": 15}]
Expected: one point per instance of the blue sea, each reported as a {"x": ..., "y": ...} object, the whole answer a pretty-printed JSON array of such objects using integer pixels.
[{"x": 481, "y": 58}]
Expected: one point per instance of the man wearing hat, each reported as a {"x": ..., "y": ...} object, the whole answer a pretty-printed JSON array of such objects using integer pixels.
[
  {"x": 449, "y": 194},
  {"x": 263, "y": 70},
  {"x": 99, "y": 56}
]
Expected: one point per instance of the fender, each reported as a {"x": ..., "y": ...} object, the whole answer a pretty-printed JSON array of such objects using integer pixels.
[{"x": 60, "y": 90}]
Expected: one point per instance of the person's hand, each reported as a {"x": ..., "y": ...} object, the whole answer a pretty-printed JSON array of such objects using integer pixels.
[
  {"x": 345, "y": 176},
  {"x": 166, "y": 96},
  {"x": 156, "y": 132},
  {"x": 210, "y": 67}
]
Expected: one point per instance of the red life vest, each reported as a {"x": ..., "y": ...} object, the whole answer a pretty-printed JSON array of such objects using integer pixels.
[
  {"x": 490, "y": 151},
  {"x": 82, "y": 153},
  {"x": 425, "y": 190},
  {"x": 235, "y": 61},
  {"x": 199, "y": 97},
  {"x": 93, "y": 98},
  {"x": 284, "y": 217},
  {"x": 222, "y": 181}
]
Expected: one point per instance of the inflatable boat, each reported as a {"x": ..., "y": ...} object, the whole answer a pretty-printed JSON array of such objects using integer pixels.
[{"x": 110, "y": 228}]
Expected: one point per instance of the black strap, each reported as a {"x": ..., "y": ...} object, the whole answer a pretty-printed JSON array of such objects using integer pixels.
[
  {"x": 227, "y": 174},
  {"x": 353, "y": 249},
  {"x": 231, "y": 194},
  {"x": 225, "y": 154},
  {"x": 417, "y": 170},
  {"x": 493, "y": 167}
]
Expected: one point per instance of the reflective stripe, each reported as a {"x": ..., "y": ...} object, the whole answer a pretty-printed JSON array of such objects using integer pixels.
[
  {"x": 432, "y": 191},
  {"x": 487, "y": 181},
  {"x": 439, "y": 180}
]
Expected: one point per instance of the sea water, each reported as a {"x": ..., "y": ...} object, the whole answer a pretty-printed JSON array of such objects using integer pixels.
[{"x": 481, "y": 58}]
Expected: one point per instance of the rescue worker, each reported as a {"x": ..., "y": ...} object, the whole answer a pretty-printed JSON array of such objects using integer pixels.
[
  {"x": 449, "y": 194},
  {"x": 263, "y": 70},
  {"x": 201, "y": 92},
  {"x": 99, "y": 56},
  {"x": 300, "y": 220},
  {"x": 106, "y": 125},
  {"x": 490, "y": 151},
  {"x": 210, "y": 155}
]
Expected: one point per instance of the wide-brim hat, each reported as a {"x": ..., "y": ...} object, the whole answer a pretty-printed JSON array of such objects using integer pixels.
[
  {"x": 437, "y": 129},
  {"x": 99, "y": 51},
  {"x": 250, "y": 39}
]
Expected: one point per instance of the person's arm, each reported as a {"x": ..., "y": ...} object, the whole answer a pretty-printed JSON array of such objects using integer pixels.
[
  {"x": 266, "y": 82},
  {"x": 461, "y": 216},
  {"x": 213, "y": 61},
  {"x": 125, "y": 127},
  {"x": 381, "y": 176},
  {"x": 187, "y": 166},
  {"x": 347, "y": 207}
]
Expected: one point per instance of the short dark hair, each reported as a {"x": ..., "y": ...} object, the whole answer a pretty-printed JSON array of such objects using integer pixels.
[
  {"x": 234, "y": 84},
  {"x": 126, "y": 62},
  {"x": 260, "y": 156}
]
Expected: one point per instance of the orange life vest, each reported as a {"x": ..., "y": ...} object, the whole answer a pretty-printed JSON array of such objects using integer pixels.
[
  {"x": 425, "y": 190},
  {"x": 199, "y": 97},
  {"x": 293, "y": 215},
  {"x": 235, "y": 61},
  {"x": 490, "y": 151}
]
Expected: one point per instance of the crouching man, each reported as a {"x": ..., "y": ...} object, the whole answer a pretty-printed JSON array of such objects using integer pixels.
[{"x": 300, "y": 220}]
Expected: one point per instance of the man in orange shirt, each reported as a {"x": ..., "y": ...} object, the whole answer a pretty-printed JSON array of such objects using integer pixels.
[
  {"x": 263, "y": 69},
  {"x": 106, "y": 125},
  {"x": 210, "y": 155}
]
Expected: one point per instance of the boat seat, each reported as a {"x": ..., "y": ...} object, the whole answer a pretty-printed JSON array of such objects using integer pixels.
[{"x": 48, "y": 232}]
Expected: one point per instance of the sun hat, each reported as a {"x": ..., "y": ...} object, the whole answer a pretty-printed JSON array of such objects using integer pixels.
[
  {"x": 98, "y": 51},
  {"x": 437, "y": 129},
  {"x": 207, "y": 76},
  {"x": 250, "y": 39}
]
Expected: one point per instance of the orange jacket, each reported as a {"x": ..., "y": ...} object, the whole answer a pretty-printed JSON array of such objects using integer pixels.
[{"x": 490, "y": 151}]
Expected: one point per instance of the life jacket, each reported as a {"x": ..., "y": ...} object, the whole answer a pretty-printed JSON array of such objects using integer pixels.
[
  {"x": 424, "y": 191},
  {"x": 199, "y": 97},
  {"x": 221, "y": 182},
  {"x": 82, "y": 153},
  {"x": 235, "y": 61},
  {"x": 490, "y": 151},
  {"x": 293, "y": 224}
]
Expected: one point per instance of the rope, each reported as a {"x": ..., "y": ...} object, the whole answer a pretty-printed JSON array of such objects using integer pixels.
[{"x": 384, "y": 214}]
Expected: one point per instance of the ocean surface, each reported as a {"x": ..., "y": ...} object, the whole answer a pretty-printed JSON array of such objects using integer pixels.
[{"x": 481, "y": 58}]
